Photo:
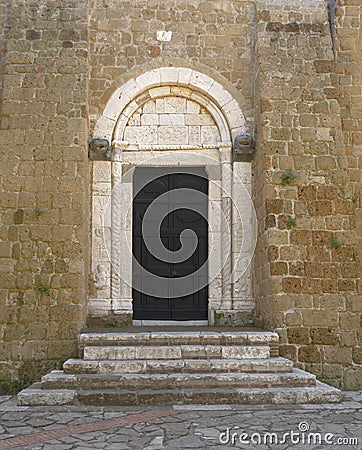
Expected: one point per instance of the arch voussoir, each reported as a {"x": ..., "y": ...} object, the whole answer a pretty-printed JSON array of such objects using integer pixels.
[{"x": 165, "y": 81}]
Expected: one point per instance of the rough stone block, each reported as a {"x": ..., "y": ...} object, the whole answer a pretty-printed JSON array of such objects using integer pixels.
[
  {"x": 38, "y": 397},
  {"x": 352, "y": 378},
  {"x": 338, "y": 355},
  {"x": 320, "y": 318},
  {"x": 309, "y": 353},
  {"x": 324, "y": 336},
  {"x": 299, "y": 335}
]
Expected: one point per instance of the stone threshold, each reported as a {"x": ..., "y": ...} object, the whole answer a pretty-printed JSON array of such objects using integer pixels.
[
  {"x": 170, "y": 323},
  {"x": 171, "y": 328}
]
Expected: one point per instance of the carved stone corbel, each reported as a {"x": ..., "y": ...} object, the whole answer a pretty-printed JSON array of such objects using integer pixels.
[
  {"x": 243, "y": 147},
  {"x": 99, "y": 149}
]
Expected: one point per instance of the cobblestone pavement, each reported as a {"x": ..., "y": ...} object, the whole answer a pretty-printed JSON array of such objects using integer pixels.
[{"x": 180, "y": 427}]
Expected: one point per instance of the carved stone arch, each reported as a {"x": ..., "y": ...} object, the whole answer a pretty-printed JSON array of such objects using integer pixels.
[
  {"x": 159, "y": 94},
  {"x": 218, "y": 101}
]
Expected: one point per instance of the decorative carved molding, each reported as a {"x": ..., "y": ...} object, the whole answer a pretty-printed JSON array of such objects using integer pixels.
[
  {"x": 121, "y": 144},
  {"x": 216, "y": 156},
  {"x": 116, "y": 229},
  {"x": 100, "y": 277},
  {"x": 158, "y": 147},
  {"x": 101, "y": 172},
  {"x": 226, "y": 144}
]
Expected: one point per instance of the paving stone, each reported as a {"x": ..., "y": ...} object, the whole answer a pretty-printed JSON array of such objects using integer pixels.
[
  {"x": 20, "y": 430},
  {"x": 155, "y": 444},
  {"x": 119, "y": 446},
  {"x": 197, "y": 426},
  {"x": 208, "y": 433},
  {"x": 40, "y": 422},
  {"x": 185, "y": 442},
  {"x": 56, "y": 446}
]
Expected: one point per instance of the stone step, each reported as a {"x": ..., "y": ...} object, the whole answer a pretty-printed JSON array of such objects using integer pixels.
[
  {"x": 176, "y": 352},
  {"x": 60, "y": 380},
  {"x": 267, "y": 365},
  {"x": 170, "y": 338},
  {"x": 178, "y": 367},
  {"x": 321, "y": 393}
]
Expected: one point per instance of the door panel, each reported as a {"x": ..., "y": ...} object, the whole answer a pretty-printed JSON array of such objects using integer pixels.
[{"x": 180, "y": 215}]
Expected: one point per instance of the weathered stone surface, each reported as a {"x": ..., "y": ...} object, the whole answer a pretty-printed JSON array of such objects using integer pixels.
[
  {"x": 43, "y": 86},
  {"x": 59, "y": 380},
  {"x": 216, "y": 336},
  {"x": 38, "y": 397},
  {"x": 170, "y": 366},
  {"x": 241, "y": 376},
  {"x": 61, "y": 64},
  {"x": 321, "y": 208},
  {"x": 352, "y": 377},
  {"x": 247, "y": 396},
  {"x": 174, "y": 352},
  {"x": 184, "y": 426}
]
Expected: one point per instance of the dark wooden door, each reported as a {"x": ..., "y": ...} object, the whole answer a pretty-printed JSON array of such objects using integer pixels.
[{"x": 169, "y": 288}]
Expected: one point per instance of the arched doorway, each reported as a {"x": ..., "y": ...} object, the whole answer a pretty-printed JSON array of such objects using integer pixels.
[{"x": 173, "y": 117}]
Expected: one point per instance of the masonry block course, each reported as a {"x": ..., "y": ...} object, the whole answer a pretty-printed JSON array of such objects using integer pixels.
[
  {"x": 61, "y": 62},
  {"x": 321, "y": 249},
  {"x": 44, "y": 212}
]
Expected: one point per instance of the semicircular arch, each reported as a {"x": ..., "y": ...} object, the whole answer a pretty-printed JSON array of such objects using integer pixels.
[{"x": 167, "y": 81}]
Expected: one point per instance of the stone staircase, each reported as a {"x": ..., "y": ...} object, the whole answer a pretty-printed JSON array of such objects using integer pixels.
[{"x": 178, "y": 367}]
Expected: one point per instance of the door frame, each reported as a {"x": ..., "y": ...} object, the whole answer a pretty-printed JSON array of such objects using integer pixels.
[
  {"x": 123, "y": 168},
  {"x": 229, "y": 184}
]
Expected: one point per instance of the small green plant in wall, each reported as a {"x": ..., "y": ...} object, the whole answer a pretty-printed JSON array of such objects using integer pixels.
[
  {"x": 288, "y": 177},
  {"x": 13, "y": 387},
  {"x": 42, "y": 289},
  {"x": 38, "y": 211},
  {"x": 355, "y": 200},
  {"x": 335, "y": 243},
  {"x": 292, "y": 222}
]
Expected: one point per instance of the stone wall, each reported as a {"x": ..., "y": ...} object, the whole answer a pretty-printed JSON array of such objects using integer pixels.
[
  {"x": 308, "y": 185},
  {"x": 63, "y": 59},
  {"x": 44, "y": 179},
  {"x": 214, "y": 37}
]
